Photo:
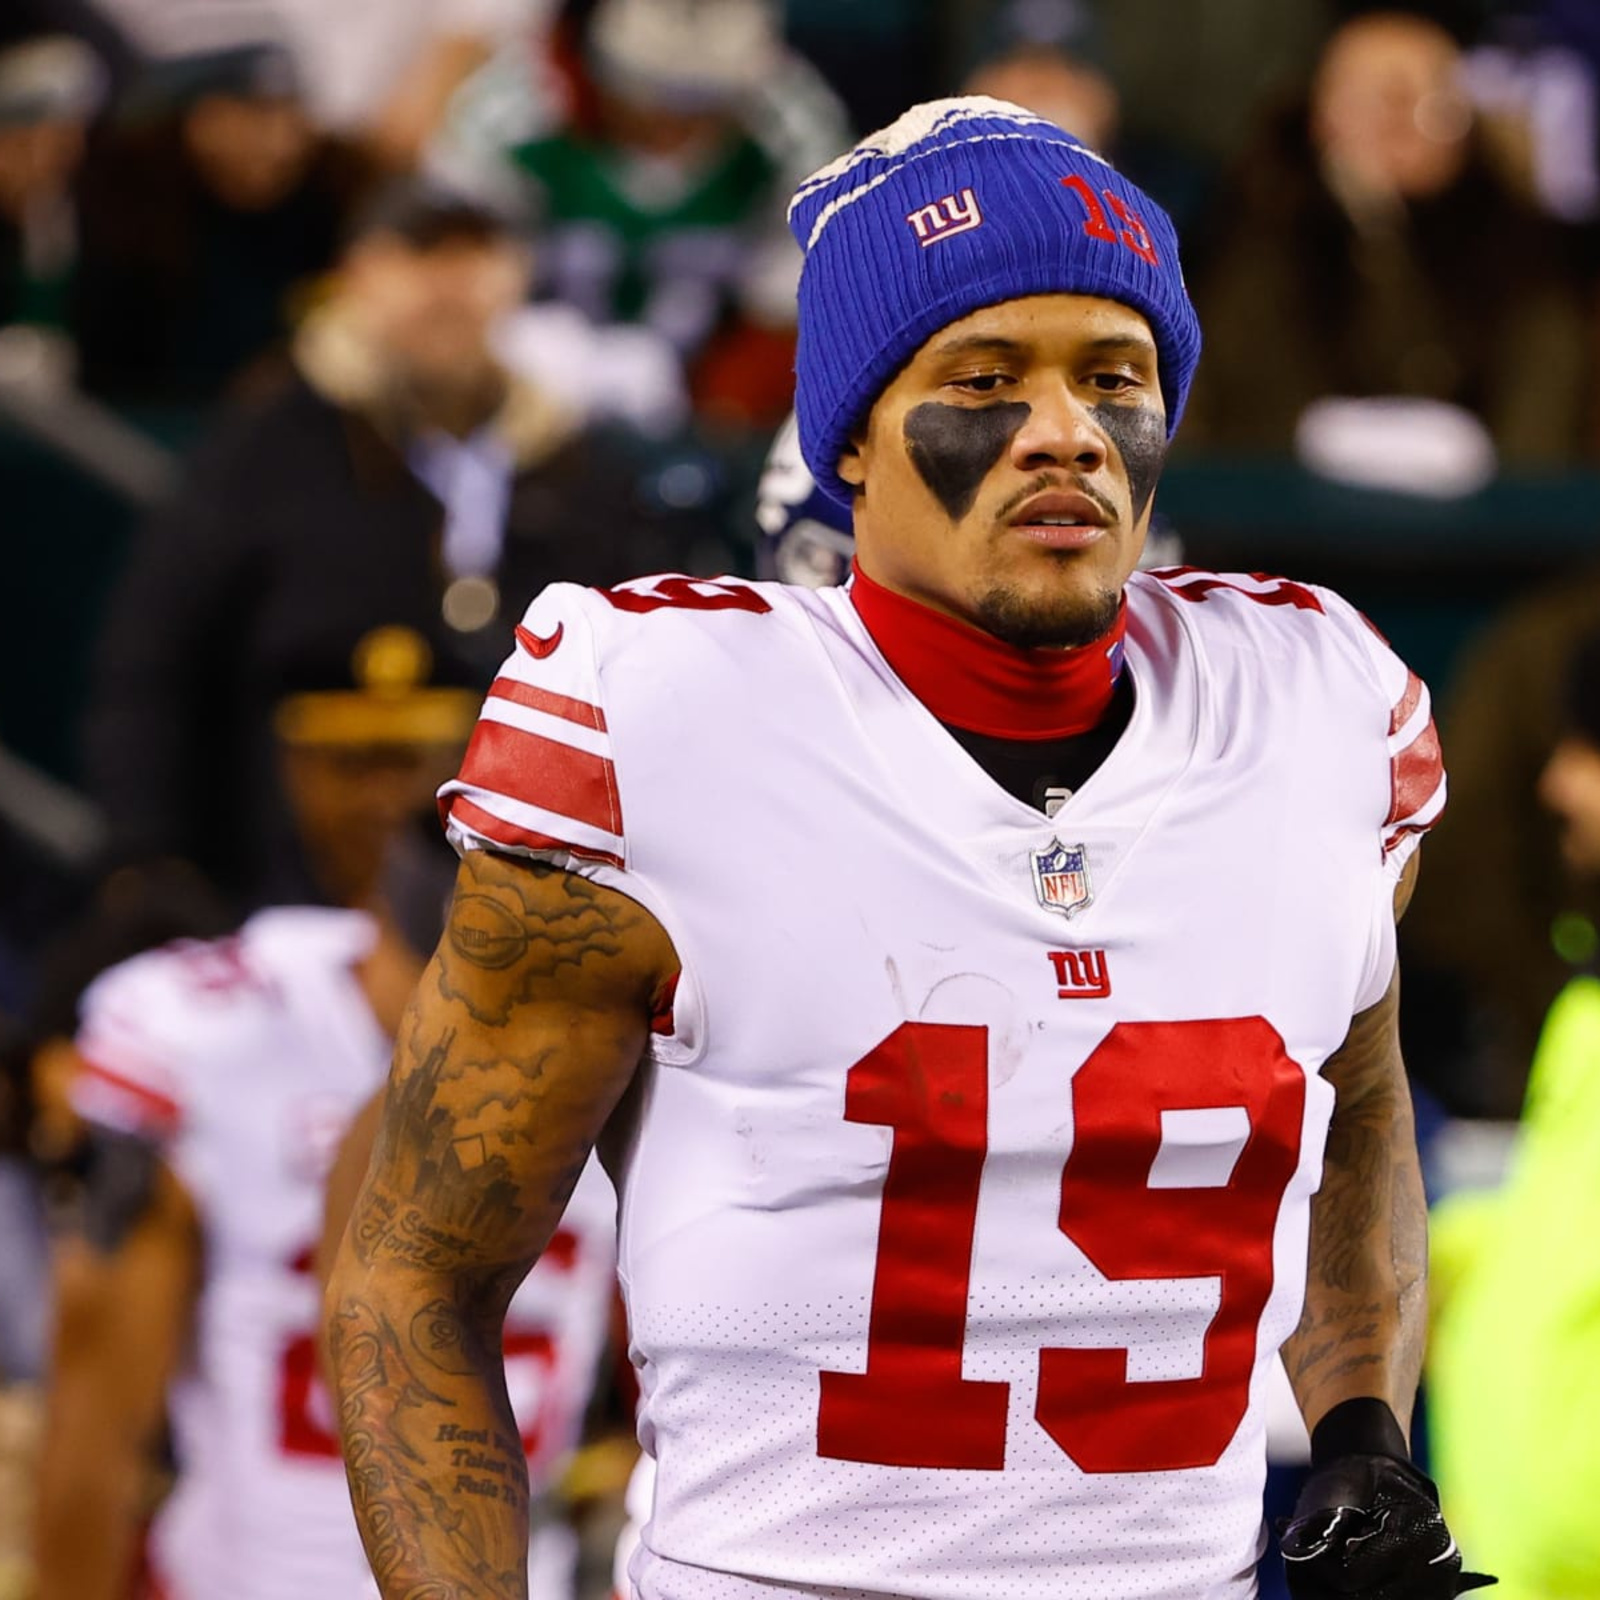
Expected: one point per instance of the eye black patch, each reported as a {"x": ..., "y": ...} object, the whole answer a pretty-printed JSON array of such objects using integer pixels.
[
  {"x": 1140, "y": 435},
  {"x": 953, "y": 447}
]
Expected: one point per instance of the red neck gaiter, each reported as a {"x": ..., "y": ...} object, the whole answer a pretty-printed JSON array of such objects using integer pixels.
[{"x": 971, "y": 680}]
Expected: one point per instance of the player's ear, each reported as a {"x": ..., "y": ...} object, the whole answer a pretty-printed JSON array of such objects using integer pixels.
[{"x": 851, "y": 467}]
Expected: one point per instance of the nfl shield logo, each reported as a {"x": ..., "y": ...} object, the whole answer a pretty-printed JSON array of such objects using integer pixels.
[{"x": 1061, "y": 877}]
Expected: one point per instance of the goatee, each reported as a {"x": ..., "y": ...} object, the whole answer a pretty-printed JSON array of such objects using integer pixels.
[{"x": 1048, "y": 623}]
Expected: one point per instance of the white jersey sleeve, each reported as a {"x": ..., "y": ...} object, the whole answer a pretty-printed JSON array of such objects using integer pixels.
[
  {"x": 590, "y": 699},
  {"x": 148, "y": 1028},
  {"x": 538, "y": 778},
  {"x": 1405, "y": 740},
  {"x": 540, "y": 775},
  {"x": 1417, "y": 787}
]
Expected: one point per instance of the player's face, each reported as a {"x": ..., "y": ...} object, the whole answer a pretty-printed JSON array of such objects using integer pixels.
[
  {"x": 1005, "y": 476},
  {"x": 350, "y": 801},
  {"x": 1570, "y": 787}
]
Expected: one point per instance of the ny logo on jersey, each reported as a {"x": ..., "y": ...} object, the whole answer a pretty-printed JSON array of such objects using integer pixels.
[
  {"x": 945, "y": 218},
  {"x": 1081, "y": 974}
]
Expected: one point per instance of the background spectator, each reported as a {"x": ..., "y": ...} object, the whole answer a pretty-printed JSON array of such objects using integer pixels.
[
  {"x": 1055, "y": 73},
  {"x": 83, "y": 20},
  {"x": 1368, "y": 244},
  {"x": 375, "y": 72},
  {"x": 659, "y": 168},
  {"x": 50, "y": 88},
  {"x": 878, "y": 58},
  {"x": 206, "y": 209},
  {"x": 404, "y": 475}
]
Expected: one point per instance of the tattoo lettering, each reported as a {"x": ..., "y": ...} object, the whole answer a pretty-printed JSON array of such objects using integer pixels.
[
  {"x": 1339, "y": 1336},
  {"x": 408, "y": 1234},
  {"x": 384, "y": 1406}
]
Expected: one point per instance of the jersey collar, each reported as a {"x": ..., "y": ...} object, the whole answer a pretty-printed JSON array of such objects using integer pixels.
[{"x": 969, "y": 679}]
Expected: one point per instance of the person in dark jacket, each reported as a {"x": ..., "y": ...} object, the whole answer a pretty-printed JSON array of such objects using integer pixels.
[
  {"x": 404, "y": 476},
  {"x": 208, "y": 206}
]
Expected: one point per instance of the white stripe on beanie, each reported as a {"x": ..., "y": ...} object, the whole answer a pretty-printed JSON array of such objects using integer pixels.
[{"x": 921, "y": 126}]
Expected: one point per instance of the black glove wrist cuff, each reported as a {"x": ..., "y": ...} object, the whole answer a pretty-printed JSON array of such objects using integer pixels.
[{"x": 1364, "y": 1427}]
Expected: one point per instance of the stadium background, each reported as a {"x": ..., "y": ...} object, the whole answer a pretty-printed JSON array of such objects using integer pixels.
[{"x": 1391, "y": 219}]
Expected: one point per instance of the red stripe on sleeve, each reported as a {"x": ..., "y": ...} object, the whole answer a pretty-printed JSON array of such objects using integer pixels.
[
  {"x": 558, "y": 705},
  {"x": 542, "y": 772},
  {"x": 498, "y": 831},
  {"x": 165, "y": 1109},
  {"x": 1405, "y": 708},
  {"x": 1415, "y": 775}
]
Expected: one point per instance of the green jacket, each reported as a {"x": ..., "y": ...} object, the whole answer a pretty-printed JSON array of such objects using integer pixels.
[{"x": 1514, "y": 1373}]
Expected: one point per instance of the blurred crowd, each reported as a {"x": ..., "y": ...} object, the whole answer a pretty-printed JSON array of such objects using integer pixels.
[{"x": 365, "y": 321}]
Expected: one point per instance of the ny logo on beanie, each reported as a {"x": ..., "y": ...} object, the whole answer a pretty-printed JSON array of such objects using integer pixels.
[{"x": 955, "y": 213}]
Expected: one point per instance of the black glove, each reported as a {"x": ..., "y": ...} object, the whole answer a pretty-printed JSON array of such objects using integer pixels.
[{"x": 1367, "y": 1527}]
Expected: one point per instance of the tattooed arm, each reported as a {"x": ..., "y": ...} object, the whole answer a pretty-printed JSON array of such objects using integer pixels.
[
  {"x": 524, "y": 1034},
  {"x": 1365, "y": 1316}
]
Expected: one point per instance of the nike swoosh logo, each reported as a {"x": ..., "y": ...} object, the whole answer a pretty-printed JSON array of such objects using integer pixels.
[
  {"x": 535, "y": 646},
  {"x": 1446, "y": 1554}
]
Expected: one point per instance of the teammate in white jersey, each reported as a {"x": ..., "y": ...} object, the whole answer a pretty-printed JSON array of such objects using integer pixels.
[
  {"x": 239, "y": 1063},
  {"x": 973, "y": 974}
]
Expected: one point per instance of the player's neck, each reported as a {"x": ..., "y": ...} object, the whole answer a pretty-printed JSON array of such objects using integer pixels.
[{"x": 971, "y": 680}]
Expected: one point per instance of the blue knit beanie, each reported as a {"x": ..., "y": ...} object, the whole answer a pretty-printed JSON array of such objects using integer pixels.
[{"x": 961, "y": 204}]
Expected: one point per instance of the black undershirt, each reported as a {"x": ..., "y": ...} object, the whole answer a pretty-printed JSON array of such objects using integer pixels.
[{"x": 1027, "y": 768}]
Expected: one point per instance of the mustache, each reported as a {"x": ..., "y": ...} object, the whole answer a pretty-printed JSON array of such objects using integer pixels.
[{"x": 1071, "y": 481}]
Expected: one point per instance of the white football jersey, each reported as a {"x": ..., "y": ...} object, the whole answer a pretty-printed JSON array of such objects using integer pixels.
[
  {"x": 244, "y": 1060},
  {"x": 969, "y": 1202}
]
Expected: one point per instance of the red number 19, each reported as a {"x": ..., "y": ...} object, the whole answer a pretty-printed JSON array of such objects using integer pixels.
[
  {"x": 928, "y": 1082},
  {"x": 1133, "y": 234}
]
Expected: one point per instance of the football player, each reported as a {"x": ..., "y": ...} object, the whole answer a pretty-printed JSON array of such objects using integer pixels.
[
  {"x": 235, "y": 1065},
  {"x": 997, "y": 1045}
]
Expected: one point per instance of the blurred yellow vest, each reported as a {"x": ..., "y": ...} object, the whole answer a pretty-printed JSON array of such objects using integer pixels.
[{"x": 1514, "y": 1366}]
